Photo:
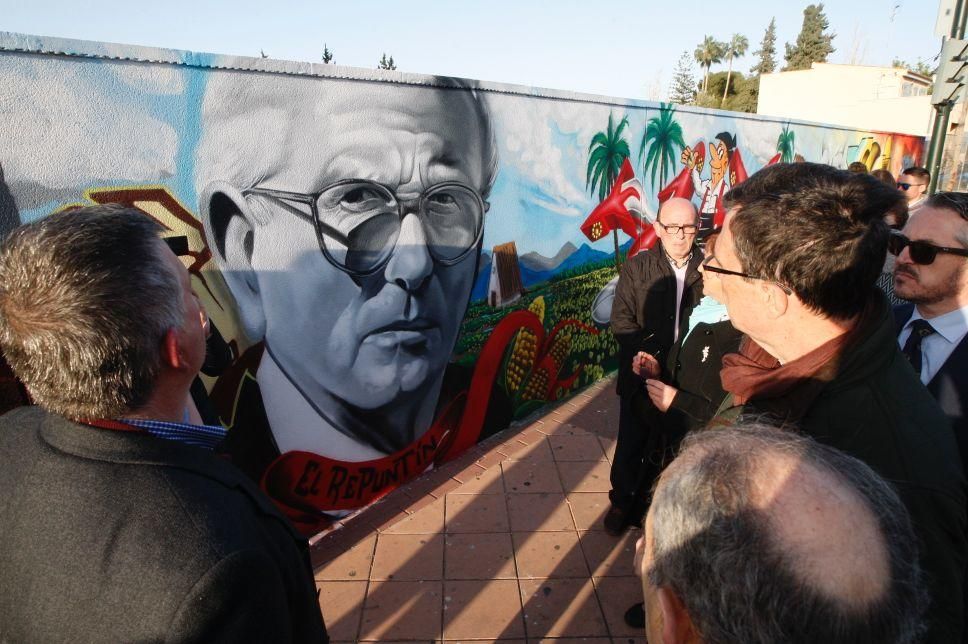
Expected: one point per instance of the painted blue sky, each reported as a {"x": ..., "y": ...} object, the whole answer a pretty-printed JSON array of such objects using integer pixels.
[{"x": 623, "y": 48}]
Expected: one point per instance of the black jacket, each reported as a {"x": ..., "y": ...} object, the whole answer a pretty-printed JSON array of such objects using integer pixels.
[
  {"x": 644, "y": 309},
  {"x": 876, "y": 409},
  {"x": 120, "y": 537}
]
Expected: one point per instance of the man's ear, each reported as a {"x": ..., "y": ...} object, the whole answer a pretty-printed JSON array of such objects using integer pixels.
[
  {"x": 231, "y": 228},
  {"x": 170, "y": 349},
  {"x": 776, "y": 299},
  {"x": 677, "y": 626}
]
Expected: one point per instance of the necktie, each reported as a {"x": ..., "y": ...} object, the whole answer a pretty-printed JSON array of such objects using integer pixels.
[{"x": 920, "y": 329}]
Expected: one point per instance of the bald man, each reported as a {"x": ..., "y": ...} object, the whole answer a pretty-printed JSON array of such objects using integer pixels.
[
  {"x": 656, "y": 291},
  {"x": 757, "y": 534}
]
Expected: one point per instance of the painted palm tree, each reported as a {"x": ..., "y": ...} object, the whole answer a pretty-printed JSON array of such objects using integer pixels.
[
  {"x": 786, "y": 144},
  {"x": 709, "y": 52},
  {"x": 663, "y": 138},
  {"x": 735, "y": 48},
  {"x": 606, "y": 153}
]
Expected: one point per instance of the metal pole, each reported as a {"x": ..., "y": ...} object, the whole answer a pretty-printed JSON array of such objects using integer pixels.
[{"x": 943, "y": 111}]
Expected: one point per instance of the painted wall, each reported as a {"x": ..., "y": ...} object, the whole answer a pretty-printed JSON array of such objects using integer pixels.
[{"x": 340, "y": 225}]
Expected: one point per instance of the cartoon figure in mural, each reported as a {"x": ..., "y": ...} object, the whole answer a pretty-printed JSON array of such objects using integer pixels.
[{"x": 348, "y": 228}]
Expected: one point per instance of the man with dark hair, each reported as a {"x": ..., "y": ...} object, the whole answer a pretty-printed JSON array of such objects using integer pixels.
[
  {"x": 913, "y": 184},
  {"x": 801, "y": 248},
  {"x": 799, "y": 543},
  {"x": 656, "y": 292},
  {"x": 117, "y": 521}
]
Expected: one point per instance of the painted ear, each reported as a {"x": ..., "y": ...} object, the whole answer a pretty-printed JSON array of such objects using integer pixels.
[{"x": 231, "y": 228}]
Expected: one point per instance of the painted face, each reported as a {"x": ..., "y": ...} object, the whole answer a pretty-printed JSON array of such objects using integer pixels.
[
  {"x": 947, "y": 275},
  {"x": 368, "y": 339},
  {"x": 718, "y": 161},
  {"x": 915, "y": 186}
]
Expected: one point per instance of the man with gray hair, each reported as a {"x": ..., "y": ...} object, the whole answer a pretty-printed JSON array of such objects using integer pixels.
[
  {"x": 117, "y": 521},
  {"x": 759, "y": 535}
]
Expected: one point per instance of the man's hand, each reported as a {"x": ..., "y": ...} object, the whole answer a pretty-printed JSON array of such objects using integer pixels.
[
  {"x": 661, "y": 394},
  {"x": 645, "y": 365}
]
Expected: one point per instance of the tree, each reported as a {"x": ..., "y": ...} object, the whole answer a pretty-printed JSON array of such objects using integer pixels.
[
  {"x": 663, "y": 137},
  {"x": 741, "y": 96},
  {"x": 813, "y": 44},
  {"x": 709, "y": 52},
  {"x": 606, "y": 153},
  {"x": 735, "y": 48},
  {"x": 786, "y": 144},
  {"x": 920, "y": 67},
  {"x": 327, "y": 55},
  {"x": 766, "y": 53},
  {"x": 386, "y": 63},
  {"x": 682, "y": 91}
]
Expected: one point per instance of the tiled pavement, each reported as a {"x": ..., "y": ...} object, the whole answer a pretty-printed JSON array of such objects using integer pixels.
[{"x": 504, "y": 544}]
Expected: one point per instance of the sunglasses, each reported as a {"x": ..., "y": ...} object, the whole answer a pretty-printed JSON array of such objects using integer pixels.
[
  {"x": 907, "y": 186},
  {"x": 921, "y": 252}
]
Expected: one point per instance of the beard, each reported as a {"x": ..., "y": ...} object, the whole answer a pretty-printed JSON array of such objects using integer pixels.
[{"x": 915, "y": 292}]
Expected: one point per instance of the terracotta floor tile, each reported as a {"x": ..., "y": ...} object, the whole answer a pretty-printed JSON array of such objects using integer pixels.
[
  {"x": 616, "y": 595},
  {"x": 577, "y": 640},
  {"x": 586, "y": 447},
  {"x": 585, "y": 477},
  {"x": 589, "y": 509},
  {"x": 341, "y": 603},
  {"x": 427, "y": 520},
  {"x": 477, "y": 480},
  {"x": 535, "y": 451},
  {"x": 609, "y": 556},
  {"x": 608, "y": 446},
  {"x": 570, "y": 426},
  {"x": 476, "y": 610},
  {"x": 408, "y": 557},
  {"x": 531, "y": 476},
  {"x": 353, "y": 563},
  {"x": 561, "y": 608},
  {"x": 548, "y": 554},
  {"x": 402, "y": 610},
  {"x": 539, "y": 512},
  {"x": 476, "y": 513},
  {"x": 479, "y": 556}
]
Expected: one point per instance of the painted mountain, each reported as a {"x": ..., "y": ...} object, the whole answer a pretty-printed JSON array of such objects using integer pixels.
[{"x": 537, "y": 268}]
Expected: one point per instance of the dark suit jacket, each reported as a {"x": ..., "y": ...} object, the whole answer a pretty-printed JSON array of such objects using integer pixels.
[
  {"x": 644, "y": 310},
  {"x": 121, "y": 537},
  {"x": 949, "y": 385}
]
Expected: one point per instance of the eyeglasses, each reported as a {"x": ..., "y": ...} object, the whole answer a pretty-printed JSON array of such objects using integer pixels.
[
  {"x": 921, "y": 252},
  {"x": 358, "y": 221},
  {"x": 907, "y": 186},
  {"x": 707, "y": 266},
  {"x": 675, "y": 229}
]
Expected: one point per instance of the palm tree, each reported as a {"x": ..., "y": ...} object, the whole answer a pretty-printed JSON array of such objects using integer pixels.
[
  {"x": 606, "y": 153},
  {"x": 735, "y": 48},
  {"x": 709, "y": 53},
  {"x": 785, "y": 144},
  {"x": 662, "y": 136}
]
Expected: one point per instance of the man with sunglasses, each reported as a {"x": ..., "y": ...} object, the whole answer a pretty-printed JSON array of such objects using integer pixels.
[
  {"x": 347, "y": 223},
  {"x": 913, "y": 184},
  {"x": 656, "y": 291},
  {"x": 801, "y": 248},
  {"x": 931, "y": 272}
]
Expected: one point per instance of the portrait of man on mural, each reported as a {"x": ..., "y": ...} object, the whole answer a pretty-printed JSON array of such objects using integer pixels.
[{"x": 348, "y": 227}]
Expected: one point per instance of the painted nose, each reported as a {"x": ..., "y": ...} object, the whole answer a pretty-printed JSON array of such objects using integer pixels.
[{"x": 411, "y": 263}]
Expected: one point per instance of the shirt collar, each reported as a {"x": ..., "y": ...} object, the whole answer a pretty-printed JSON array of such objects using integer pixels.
[
  {"x": 951, "y": 326},
  {"x": 206, "y": 436}
]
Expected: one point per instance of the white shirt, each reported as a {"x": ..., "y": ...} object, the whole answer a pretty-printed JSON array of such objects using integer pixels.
[
  {"x": 950, "y": 329},
  {"x": 680, "y": 287}
]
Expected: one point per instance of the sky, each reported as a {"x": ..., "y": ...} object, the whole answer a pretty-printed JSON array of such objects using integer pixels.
[{"x": 623, "y": 49}]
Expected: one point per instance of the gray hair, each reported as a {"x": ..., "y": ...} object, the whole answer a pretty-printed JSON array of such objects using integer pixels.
[
  {"x": 738, "y": 581},
  {"x": 86, "y": 298}
]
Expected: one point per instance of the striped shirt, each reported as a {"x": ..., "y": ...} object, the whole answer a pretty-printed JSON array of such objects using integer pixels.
[{"x": 205, "y": 436}]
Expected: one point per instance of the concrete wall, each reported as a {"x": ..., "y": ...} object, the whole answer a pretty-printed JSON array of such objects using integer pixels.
[{"x": 364, "y": 348}]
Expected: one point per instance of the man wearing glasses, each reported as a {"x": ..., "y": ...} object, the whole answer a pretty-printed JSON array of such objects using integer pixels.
[
  {"x": 931, "y": 272},
  {"x": 348, "y": 226},
  {"x": 801, "y": 248},
  {"x": 913, "y": 184},
  {"x": 656, "y": 291}
]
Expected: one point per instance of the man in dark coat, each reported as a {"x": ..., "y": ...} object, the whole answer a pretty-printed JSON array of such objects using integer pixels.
[
  {"x": 797, "y": 260},
  {"x": 656, "y": 291},
  {"x": 117, "y": 522}
]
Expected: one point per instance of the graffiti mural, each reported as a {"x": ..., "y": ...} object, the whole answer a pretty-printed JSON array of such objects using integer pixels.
[{"x": 400, "y": 265}]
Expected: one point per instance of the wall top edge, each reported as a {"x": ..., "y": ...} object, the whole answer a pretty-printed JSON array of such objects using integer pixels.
[{"x": 12, "y": 42}]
